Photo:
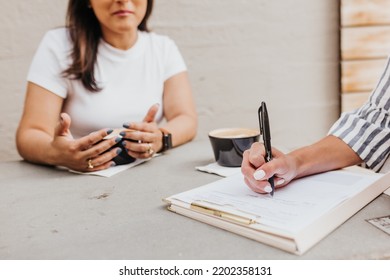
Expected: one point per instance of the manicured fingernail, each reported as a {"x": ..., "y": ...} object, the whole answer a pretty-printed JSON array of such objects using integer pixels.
[
  {"x": 118, "y": 151},
  {"x": 126, "y": 125},
  {"x": 280, "y": 182},
  {"x": 122, "y": 133},
  {"x": 124, "y": 143},
  {"x": 109, "y": 131},
  {"x": 268, "y": 189},
  {"x": 113, "y": 164},
  {"x": 259, "y": 174},
  {"x": 118, "y": 139}
]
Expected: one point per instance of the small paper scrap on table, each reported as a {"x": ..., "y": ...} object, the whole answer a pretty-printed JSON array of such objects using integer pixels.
[
  {"x": 217, "y": 169},
  {"x": 112, "y": 170},
  {"x": 383, "y": 223}
]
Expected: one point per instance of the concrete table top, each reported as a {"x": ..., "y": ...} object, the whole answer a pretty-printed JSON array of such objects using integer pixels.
[{"x": 47, "y": 213}]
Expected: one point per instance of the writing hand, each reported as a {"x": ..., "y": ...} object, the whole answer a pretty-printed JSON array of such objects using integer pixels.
[{"x": 257, "y": 171}]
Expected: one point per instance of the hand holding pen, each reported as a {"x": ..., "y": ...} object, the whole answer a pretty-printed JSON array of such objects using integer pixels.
[{"x": 266, "y": 168}]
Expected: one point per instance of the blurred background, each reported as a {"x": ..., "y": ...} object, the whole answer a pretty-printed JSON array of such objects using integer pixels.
[{"x": 238, "y": 53}]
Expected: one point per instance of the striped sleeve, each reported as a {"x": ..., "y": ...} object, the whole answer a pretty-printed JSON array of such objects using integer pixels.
[{"x": 367, "y": 129}]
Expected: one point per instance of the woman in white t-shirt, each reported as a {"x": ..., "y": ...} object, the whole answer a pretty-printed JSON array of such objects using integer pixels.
[{"x": 105, "y": 71}]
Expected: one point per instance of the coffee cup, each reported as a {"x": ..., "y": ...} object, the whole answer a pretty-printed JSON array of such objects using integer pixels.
[
  {"x": 229, "y": 144},
  {"x": 123, "y": 157}
]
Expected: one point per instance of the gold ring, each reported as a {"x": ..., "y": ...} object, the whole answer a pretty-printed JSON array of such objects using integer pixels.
[
  {"x": 150, "y": 150},
  {"x": 90, "y": 165}
]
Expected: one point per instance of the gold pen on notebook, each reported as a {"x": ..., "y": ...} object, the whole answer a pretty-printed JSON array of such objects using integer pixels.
[{"x": 222, "y": 214}]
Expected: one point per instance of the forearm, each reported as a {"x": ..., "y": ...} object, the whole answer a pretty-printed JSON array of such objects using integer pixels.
[
  {"x": 179, "y": 109},
  {"x": 183, "y": 128},
  {"x": 327, "y": 154},
  {"x": 35, "y": 146}
]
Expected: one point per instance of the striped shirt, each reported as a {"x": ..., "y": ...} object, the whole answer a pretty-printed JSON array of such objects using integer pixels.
[{"x": 367, "y": 129}]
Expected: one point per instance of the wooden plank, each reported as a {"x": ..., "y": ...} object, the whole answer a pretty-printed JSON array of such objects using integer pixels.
[
  {"x": 360, "y": 76},
  {"x": 365, "y": 42},
  {"x": 352, "y": 101},
  {"x": 365, "y": 12}
]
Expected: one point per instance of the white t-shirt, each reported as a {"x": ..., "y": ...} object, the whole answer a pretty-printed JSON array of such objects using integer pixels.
[{"x": 131, "y": 81}]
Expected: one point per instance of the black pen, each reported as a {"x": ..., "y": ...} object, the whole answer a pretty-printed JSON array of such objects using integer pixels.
[{"x": 266, "y": 132}]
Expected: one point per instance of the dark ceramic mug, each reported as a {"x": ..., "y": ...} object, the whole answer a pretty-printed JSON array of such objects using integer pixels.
[
  {"x": 123, "y": 157},
  {"x": 229, "y": 144}
]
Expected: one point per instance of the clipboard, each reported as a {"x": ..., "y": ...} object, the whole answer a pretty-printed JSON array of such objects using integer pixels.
[{"x": 299, "y": 235}]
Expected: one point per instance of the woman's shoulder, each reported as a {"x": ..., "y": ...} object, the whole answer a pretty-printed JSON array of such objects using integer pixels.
[
  {"x": 59, "y": 32},
  {"x": 157, "y": 39},
  {"x": 57, "y": 38}
]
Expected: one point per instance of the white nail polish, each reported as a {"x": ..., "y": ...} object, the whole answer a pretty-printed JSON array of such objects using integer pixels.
[
  {"x": 268, "y": 189},
  {"x": 259, "y": 174},
  {"x": 280, "y": 182}
]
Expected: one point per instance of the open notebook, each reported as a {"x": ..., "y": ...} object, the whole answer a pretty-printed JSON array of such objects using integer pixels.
[{"x": 296, "y": 218}]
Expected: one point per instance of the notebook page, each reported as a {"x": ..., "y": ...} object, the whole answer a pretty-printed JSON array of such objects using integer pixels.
[{"x": 291, "y": 208}]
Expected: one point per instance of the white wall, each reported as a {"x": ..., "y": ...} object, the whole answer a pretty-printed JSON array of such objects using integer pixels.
[{"x": 238, "y": 53}]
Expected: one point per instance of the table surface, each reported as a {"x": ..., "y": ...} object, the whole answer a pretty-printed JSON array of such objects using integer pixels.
[{"x": 47, "y": 213}]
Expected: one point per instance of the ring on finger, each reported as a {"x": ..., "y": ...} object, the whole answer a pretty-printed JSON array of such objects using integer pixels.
[
  {"x": 150, "y": 150},
  {"x": 90, "y": 165}
]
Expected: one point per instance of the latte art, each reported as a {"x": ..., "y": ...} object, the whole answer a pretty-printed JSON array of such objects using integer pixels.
[{"x": 233, "y": 133}]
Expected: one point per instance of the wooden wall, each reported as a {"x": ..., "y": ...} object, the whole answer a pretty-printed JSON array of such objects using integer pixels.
[{"x": 365, "y": 45}]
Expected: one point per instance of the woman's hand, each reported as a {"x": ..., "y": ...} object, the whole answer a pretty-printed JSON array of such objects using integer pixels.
[
  {"x": 145, "y": 139},
  {"x": 257, "y": 172},
  {"x": 88, "y": 153}
]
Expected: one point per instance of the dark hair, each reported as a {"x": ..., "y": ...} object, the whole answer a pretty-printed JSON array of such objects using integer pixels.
[{"x": 85, "y": 33}]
